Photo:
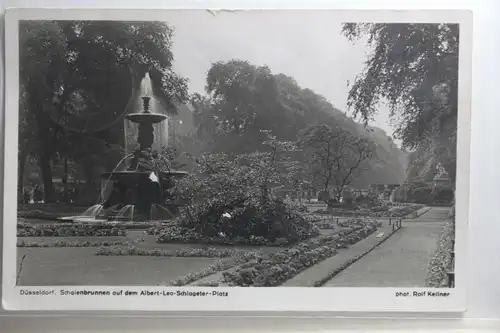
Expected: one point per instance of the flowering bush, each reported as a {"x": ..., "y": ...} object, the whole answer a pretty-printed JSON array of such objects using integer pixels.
[
  {"x": 245, "y": 219},
  {"x": 228, "y": 200},
  {"x": 274, "y": 269},
  {"x": 67, "y": 230}
]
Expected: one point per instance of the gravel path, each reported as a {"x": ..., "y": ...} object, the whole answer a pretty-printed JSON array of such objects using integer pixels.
[{"x": 402, "y": 260}]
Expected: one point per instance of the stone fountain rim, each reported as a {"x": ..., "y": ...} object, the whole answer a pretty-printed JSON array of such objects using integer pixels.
[
  {"x": 146, "y": 117},
  {"x": 144, "y": 173}
]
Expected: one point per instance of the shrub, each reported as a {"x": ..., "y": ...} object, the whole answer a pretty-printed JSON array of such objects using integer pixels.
[
  {"x": 240, "y": 221},
  {"x": 228, "y": 199},
  {"x": 421, "y": 195}
]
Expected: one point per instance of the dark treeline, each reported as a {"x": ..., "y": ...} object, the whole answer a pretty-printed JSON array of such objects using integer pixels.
[{"x": 78, "y": 78}]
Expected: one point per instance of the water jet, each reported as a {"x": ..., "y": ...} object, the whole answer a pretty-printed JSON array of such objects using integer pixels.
[{"x": 138, "y": 192}]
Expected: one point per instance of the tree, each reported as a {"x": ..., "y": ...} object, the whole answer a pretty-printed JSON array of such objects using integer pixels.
[
  {"x": 243, "y": 101},
  {"x": 414, "y": 67},
  {"x": 240, "y": 99},
  {"x": 75, "y": 75},
  {"x": 337, "y": 156}
]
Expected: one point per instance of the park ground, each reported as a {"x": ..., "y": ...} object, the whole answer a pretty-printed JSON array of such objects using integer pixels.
[{"x": 383, "y": 259}]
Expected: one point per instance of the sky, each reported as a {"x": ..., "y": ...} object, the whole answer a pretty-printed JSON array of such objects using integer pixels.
[{"x": 307, "y": 45}]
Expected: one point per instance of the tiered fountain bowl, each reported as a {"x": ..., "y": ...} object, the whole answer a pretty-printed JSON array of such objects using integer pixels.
[{"x": 134, "y": 187}]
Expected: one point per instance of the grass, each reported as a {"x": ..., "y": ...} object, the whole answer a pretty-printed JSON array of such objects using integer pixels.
[{"x": 81, "y": 267}]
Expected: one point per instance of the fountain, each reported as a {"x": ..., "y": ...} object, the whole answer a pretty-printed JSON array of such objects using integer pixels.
[{"x": 138, "y": 192}]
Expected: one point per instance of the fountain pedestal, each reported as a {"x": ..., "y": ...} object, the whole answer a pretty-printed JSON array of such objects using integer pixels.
[{"x": 140, "y": 187}]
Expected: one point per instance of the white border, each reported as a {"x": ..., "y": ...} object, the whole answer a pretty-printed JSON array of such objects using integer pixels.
[{"x": 240, "y": 299}]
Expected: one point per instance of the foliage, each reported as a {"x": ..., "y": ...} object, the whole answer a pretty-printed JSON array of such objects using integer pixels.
[
  {"x": 243, "y": 99},
  {"x": 337, "y": 156},
  {"x": 74, "y": 75},
  {"x": 443, "y": 194},
  {"x": 422, "y": 193},
  {"x": 230, "y": 198},
  {"x": 415, "y": 68}
]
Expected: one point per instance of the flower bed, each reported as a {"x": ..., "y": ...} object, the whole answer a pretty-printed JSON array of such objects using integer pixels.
[
  {"x": 61, "y": 243},
  {"x": 198, "y": 253},
  {"x": 218, "y": 266},
  {"x": 326, "y": 225},
  {"x": 68, "y": 230},
  {"x": 274, "y": 269},
  {"x": 441, "y": 262}
]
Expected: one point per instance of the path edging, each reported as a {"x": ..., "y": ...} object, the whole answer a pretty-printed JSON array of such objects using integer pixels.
[{"x": 416, "y": 214}]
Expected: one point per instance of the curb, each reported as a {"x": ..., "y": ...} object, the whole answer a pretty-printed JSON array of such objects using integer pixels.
[{"x": 416, "y": 214}]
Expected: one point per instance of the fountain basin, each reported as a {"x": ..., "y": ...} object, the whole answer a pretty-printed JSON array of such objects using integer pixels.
[
  {"x": 146, "y": 117},
  {"x": 81, "y": 219},
  {"x": 133, "y": 175}
]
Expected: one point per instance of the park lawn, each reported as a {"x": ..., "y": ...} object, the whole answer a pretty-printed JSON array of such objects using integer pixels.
[
  {"x": 55, "y": 208},
  {"x": 141, "y": 240},
  {"x": 80, "y": 266}
]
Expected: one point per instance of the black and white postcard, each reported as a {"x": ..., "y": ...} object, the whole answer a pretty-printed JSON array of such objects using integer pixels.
[{"x": 253, "y": 160}]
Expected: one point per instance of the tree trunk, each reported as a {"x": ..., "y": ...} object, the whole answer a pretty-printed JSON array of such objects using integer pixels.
[
  {"x": 65, "y": 175},
  {"x": 46, "y": 170},
  {"x": 90, "y": 189},
  {"x": 20, "y": 175},
  {"x": 451, "y": 170}
]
